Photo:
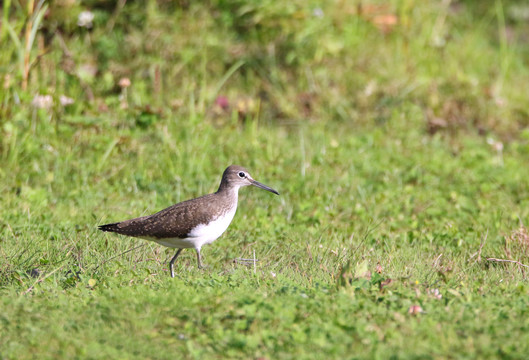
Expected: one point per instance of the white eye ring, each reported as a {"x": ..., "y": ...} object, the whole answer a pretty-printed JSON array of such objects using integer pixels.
[{"x": 242, "y": 174}]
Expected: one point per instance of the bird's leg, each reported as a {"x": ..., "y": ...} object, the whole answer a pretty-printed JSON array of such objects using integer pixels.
[
  {"x": 171, "y": 263},
  {"x": 199, "y": 259}
]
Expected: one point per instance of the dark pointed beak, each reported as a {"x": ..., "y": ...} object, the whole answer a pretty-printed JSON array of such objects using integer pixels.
[{"x": 263, "y": 186}]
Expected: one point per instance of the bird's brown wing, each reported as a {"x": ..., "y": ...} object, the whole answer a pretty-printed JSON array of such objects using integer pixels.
[{"x": 176, "y": 221}]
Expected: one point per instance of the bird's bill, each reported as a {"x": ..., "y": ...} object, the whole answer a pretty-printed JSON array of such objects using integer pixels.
[{"x": 263, "y": 186}]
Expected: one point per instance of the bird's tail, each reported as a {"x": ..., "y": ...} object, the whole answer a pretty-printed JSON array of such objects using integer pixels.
[{"x": 109, "y": 227}]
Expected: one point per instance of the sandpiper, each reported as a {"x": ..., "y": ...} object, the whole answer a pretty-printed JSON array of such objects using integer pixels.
[{"x": 192, "y": 223}]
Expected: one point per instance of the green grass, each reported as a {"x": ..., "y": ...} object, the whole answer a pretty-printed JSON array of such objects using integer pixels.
[{"x": 385, "y": 148}]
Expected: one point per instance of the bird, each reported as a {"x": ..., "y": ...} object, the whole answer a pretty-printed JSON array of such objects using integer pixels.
[{"x": 192, "y": 223}]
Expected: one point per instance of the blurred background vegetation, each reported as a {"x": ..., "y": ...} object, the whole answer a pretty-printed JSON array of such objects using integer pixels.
[
  {"x": 396, "y": 132},
  {"x": 67, "y": 65}
]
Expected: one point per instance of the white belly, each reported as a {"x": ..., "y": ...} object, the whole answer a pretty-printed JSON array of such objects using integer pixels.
[{"x": 202, "y": 234}]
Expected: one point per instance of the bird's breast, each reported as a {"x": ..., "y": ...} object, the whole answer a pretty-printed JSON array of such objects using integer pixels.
[{"x": 209, "y": 232}]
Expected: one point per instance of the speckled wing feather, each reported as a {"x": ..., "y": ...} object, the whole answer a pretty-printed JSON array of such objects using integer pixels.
[{"x": 176, "y": 221}]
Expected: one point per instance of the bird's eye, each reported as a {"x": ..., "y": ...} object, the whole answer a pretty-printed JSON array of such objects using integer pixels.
[{"x": 241, "y": 174}]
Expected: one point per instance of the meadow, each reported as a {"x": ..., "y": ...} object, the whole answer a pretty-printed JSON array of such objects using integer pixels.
[{"x": 395, "y": 131}]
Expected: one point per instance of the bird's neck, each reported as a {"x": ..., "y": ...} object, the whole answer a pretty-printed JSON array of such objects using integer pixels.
[{"x": 229, "y": 192}]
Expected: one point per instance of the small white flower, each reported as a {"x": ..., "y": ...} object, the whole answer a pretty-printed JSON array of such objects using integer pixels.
[
  {"x": 318, "y": 12},
  {"x": 496, "y": 145},
  {"x": 65, "y": 100},
  {"x": 42, "y": 101},
  {"x": 85, "y": 19},
  {"x": 436, "y": 293}
]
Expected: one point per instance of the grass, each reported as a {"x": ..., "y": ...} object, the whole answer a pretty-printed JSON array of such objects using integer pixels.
[{"x": 400, "y": 164}]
